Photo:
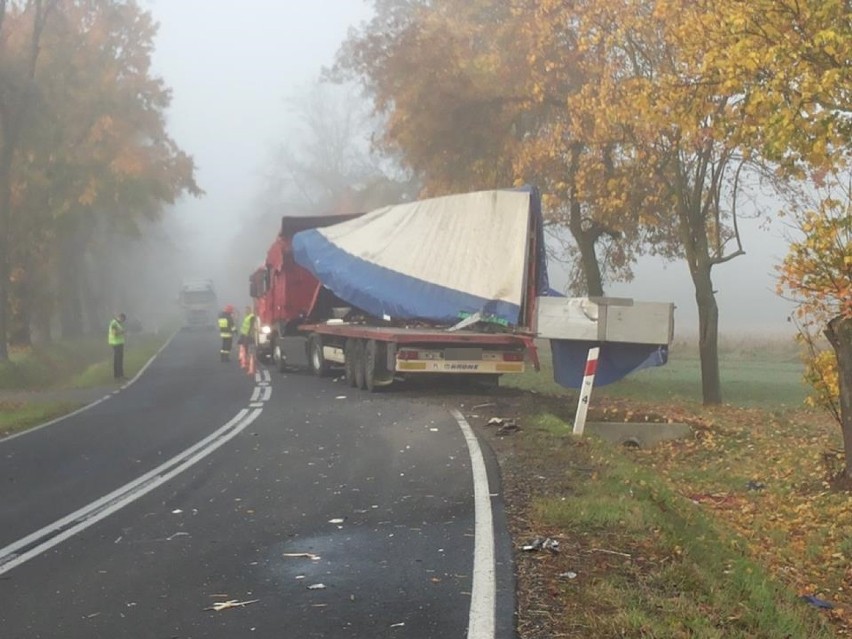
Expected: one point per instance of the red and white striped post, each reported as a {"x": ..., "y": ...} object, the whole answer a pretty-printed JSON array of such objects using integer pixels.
[{"x": 586, "y": 390}]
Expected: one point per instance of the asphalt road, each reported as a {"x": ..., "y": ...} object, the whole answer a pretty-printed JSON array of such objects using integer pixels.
[{"x": 315, "y": 509}]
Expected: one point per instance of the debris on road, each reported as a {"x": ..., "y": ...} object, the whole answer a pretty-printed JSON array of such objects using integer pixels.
[
  {"x": 817, "y": 602},
  {"x": 510, "y": 426},
  {"x": 486, "y": 405},
  {"x": 177, "y": 534},
  {"x": 568, "y": 575},
  {"x": 232, "y": 603},
  {"x": 542, "y": 543},
  {"x": 316, "y": 587},
  {"x": 305, "y": 555}
]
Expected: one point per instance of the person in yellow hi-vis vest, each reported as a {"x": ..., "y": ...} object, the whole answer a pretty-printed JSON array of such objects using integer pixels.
[
  {"x": 115, "y": 337},
  {"x": 226, "y": 332},
  {"x": 247, "y": 337}
]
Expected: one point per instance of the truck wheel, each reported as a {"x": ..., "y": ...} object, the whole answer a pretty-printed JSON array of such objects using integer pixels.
[
  {"x": 358, "y": 363},
  {"x": 370, "y": 365},
  {"x": 319, "y": 366},
  {"x": 349, "y": 357},
  {"x": 278, "y": 358}
]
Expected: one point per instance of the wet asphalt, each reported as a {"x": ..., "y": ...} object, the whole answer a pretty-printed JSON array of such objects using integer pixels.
[{"x": 324, "y": 512}]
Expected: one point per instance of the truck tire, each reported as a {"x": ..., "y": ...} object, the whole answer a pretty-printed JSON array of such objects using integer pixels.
[
  {"x": 278, "y": 357},
  {"x": 358, "y": 363},
  {"x": 349, "y": 357},
  {"x": 370, "y": 352},
  {"x": 316, "y": 361}
]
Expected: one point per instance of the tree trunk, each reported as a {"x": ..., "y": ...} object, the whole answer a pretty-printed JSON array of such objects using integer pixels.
[
  {"x": 13, "y": 111},
  {"x": 70, "y": 306},
  {"x": 4, "y": 261},
  {"x": 20, "y": 290},
  {"x": 708, "y": 335},
  {"x": 839, "y": 333},
  {"x": 589, "y": 263}
]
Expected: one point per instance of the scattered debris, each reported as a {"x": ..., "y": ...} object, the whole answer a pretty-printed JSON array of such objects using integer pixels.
[
  {"x": 542, "y": 543},
  {"x": 336, "y": 520},
  {"x": 817, "y": 602},
  {"x": 397, "y": 625},
  {"x": 612, "y": 552},
  {"x": 306, "y": 555},
  {"x": 316, "y": 587},
  {"x": 495, "y": 421},
  {"x": 511, "y": 426},
  {"x": 484, "y": 405},
  {"x": 755, "y": 485},
  {"x": 177, "y": 511},
  {"x": 232, "y": 603},
  {"x": 340, "y": 397},
  {"x": 568, "y": 575},
  {"x": 177, "y": 534}
]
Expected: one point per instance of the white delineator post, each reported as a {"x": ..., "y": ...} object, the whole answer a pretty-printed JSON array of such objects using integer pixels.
[{"x": 586, "y": 390}]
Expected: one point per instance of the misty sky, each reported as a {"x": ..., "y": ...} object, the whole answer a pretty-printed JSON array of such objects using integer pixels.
[{"x": 231, "y": 67}]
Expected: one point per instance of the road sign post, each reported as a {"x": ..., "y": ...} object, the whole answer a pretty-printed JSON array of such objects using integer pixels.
[{"x": 586, "y": 390}]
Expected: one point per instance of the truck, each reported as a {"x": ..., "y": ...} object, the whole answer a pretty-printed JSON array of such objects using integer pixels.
[
  {"x": 198, "y": 302},
  {"x": 450, "y": 285},
  {"x": 460, "y": 300}
]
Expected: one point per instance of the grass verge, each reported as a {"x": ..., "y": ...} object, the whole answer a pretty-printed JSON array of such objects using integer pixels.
[
  {"x": 37, "y": 384},
  {"x": 637, "y": 558},
  {"x": 19, "y": 416}
]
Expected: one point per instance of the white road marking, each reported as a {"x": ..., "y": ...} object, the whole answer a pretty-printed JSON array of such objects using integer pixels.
[
  {"x": 255, "y": 394},
  {"x": 265, "y": 393},
  {"x": 81, "y": 519},
  {"x": 483, "y": 596}
]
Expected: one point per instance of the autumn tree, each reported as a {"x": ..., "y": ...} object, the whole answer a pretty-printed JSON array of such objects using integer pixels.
[
  {"x": 477, "y": 95},
  {"x": 790, "y": 63},
  {"x": 21, "y": 27},
  {"x": 95, "y": 158},
  {"x": 817, "y": 272}
]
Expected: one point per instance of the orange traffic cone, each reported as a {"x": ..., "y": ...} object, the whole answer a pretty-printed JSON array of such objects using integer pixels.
[
  {"x": 242, "y": 356},
  {"x": 251, "y": 364}
]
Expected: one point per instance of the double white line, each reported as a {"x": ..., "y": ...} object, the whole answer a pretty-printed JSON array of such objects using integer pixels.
[{"x": 41, "y": 540}]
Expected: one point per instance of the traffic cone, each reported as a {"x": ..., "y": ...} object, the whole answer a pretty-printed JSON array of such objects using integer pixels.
[
  {"x": 251, "y": 364},
  {"x": 242, "y": 356}
]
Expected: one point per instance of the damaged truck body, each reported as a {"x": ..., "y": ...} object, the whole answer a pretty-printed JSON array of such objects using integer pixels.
[{"x": 445, "y": 286}]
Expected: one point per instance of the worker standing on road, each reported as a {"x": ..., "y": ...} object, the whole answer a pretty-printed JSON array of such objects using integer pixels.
[
  {"x": 116, "y": 340},
  {"x": 247, "y": 334},
  {"x": 227, "y": 327}
]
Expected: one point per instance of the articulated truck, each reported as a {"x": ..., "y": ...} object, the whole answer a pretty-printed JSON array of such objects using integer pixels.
[
  {"x": 445, "y": 286},
  {"x": 440, "y": 286}
]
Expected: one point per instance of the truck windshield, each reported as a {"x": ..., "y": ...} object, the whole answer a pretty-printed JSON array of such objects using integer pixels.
[{"x": 197, "y": 297}]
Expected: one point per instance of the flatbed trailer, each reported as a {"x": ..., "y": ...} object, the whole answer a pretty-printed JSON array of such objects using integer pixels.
[{"x": 374, "y": 356}]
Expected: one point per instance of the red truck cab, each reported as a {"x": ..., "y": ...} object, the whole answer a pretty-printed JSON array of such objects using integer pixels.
[{"x": 285, "y": 293}]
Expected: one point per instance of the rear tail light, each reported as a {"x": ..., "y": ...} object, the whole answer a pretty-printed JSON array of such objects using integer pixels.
[
  {"x": 513, "y": 357},
  {"x": 407, "y": 354}
]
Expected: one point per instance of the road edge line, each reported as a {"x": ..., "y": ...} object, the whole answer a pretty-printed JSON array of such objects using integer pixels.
[{"x": 483, "y": 595}]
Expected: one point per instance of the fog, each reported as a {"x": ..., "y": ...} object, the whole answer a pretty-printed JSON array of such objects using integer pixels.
[{"x": 232, "y": 68}]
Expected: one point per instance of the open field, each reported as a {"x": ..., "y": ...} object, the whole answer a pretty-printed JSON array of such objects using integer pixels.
[{"x": 761, "y": 374}]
